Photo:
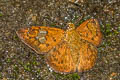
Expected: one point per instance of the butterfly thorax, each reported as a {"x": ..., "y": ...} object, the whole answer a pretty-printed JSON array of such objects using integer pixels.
[{"x": 70, "y": 34}]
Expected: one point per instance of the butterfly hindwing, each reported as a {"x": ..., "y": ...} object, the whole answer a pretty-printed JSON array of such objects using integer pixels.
[
  {"x": 90, "y": 31},
  {"x": 87, "y": 58},
  {"x": 41, "y": 39},
  {"x": 68, "y": 58},
  {"x": 60, "y": 59}
]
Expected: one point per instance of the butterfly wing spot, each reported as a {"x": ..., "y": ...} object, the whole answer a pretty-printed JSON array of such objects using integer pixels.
[
  {"x": 42, "y": 33},
  {"x": 42, "y": 40},
  {"x": 41, "y": 36}
]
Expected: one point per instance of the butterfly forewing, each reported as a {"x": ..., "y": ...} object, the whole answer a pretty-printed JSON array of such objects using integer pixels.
[
  {"x": 41, "y": 39},
  {"x": 90, "y": 31}
]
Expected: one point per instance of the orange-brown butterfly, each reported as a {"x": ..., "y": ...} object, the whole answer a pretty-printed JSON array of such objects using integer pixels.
[{"x": 71, "y": 50}]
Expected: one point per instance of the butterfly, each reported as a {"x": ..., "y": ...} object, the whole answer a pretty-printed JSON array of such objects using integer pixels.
[{"x": 66, "y": 51}]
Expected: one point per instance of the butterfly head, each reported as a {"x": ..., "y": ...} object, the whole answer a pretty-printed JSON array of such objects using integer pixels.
[{"x": 71, "y": 26}]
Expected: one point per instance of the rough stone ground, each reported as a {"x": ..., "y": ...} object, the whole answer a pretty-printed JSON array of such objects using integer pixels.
[{"x": 19, "y": 62}]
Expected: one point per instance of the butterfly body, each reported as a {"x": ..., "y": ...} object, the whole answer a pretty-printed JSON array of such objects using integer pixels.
[{"x": 73, "y": 50}]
